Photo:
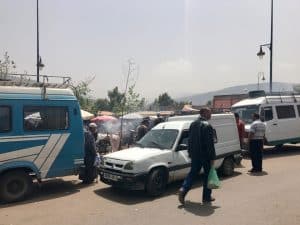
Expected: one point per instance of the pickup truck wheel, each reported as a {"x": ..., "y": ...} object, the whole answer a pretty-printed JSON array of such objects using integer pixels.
[
  {"x": 278, "y": 147},
  {"x": 157, "y": 182},
  {"x": 228, "y": 167},
  {"x": 14, "y": 186}
]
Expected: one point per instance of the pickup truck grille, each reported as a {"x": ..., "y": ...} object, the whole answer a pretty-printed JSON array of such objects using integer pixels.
[
  {"x": 105, "y": 169},
  {"x": 114, "y": 165}
]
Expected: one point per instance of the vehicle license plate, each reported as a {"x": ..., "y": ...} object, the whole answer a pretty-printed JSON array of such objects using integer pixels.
[{"x": 110, "y": 176}]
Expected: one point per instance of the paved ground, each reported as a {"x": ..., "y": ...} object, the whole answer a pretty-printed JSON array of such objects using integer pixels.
[{"x": 271, "y": 198}]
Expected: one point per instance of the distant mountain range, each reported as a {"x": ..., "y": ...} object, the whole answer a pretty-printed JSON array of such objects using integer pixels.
[{"x": 201, "y": 99}]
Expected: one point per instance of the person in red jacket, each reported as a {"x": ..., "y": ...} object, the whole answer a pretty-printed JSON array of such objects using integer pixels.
[{"x": 241, "y": 128}]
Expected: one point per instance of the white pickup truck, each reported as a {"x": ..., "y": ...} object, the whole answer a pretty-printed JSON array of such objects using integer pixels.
[{"x": 161, "y": 156}]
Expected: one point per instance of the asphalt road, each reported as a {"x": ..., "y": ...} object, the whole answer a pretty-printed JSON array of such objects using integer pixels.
[{"x": 270, "y": 198}]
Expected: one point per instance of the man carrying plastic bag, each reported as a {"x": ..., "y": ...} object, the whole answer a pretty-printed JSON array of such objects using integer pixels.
[
  {"x": 213, "y": 179},
  {"x": 202, "y": 153}
]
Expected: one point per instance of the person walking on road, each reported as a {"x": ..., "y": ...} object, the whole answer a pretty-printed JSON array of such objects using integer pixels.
[
  {"x": 202, "y": 152},
  {"x": 256, "y": 143}
]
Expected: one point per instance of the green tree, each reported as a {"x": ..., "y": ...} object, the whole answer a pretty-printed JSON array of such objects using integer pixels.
[
  {"x": 82, "y": 91},
  {"x": 164, "y": 101},
  {"x": 133, "y": 101},
  {"x": 115, "y": 99},
  {"x": 101, "y": 104}
]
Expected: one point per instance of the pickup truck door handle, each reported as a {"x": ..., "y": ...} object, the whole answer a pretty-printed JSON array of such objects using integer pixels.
[{"x": 275, "y": 124}]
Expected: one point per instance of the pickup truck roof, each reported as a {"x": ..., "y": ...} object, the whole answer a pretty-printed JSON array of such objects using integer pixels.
[
  {"x": 178, "y": 125},
  {"x": 184, "y": 122}
]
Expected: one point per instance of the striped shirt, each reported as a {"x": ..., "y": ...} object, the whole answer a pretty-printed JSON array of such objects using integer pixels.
[{"x": 258, "y": 128}]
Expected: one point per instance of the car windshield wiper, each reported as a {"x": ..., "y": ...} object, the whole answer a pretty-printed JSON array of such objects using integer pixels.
[
  {"x": 156, "y": 144},
  {"x": 139, "y": 144}
]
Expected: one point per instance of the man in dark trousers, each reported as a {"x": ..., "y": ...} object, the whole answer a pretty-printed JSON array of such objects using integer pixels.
[
  {"x": 89, "y": 158},
  {"x": 202, "y": 153},
  {"x": 256, "y": 143}
]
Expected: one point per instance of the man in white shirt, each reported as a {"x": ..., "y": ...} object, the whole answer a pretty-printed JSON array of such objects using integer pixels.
[{"x": 256, "y": 143}]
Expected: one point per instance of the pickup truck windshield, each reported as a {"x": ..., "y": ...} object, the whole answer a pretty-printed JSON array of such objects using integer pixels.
[
  {"x": 159, "y": 138},
  {"x": 246, "y": 112}
]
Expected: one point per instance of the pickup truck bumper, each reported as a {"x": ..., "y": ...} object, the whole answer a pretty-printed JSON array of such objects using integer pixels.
[{"x": 123, "y": 180}]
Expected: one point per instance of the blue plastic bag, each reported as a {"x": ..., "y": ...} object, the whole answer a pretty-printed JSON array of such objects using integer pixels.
[{"x": 213, "y": 179}]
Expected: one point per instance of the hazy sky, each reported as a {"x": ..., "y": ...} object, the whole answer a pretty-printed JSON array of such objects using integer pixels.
[{"x": 181, "y": 47}]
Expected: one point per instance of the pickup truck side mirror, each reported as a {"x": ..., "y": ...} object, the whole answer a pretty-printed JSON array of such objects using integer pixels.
[{"x": 182, "y": 147}]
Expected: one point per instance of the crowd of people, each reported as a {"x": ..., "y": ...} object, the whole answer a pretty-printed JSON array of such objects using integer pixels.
[
  {"x": 200, "y": 148},
  {"x": 93, "y": 143}
]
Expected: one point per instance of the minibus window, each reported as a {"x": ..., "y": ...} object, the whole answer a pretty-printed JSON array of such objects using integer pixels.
[
  {"x": 246, "y": 112},
  {"x": 5, "y": 118},
  {"x": 267, "y": 113},
  {"x": 285, "y": 111},
  {"x": 45, "y": 118}
]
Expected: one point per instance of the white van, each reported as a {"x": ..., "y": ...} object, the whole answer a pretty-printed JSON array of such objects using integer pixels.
[
  {"x": 280, "y": 113},
  {"x": 161, "y": 155}
]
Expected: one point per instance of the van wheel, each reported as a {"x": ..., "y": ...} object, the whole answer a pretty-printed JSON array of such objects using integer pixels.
[
  {"x": 15, "y": 185},
  {"x": 228, "y": 167},
  {"x": 157, "y": 182}
]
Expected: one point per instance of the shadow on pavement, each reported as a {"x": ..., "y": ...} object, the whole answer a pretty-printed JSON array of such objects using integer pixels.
[
  {"x": 274, "y": 152},
  {"x": 199, "y": 209},
  {"x": 49, "y": 189},
  {"x": 128, "y": 197}
]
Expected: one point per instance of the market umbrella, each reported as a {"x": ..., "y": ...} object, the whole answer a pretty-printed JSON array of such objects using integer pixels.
[
  {"x": 85, "y": 115},
  {"x": 103, "y": 119},
  {"x": 188, "y": 108},
  {"x": 133, "y": 116},
  {"x": 105, "y": 113}
]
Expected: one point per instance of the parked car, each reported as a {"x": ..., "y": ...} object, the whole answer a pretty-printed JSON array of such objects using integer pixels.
[{"x": 162, "y": 157}]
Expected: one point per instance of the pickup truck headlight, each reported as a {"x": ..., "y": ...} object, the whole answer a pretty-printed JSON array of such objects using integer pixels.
[
  {"x": 128, "y": 166},
  {"x": 101, "y": 160}
]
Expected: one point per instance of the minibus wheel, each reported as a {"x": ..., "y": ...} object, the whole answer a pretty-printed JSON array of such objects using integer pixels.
[
  {"x": 227, "y": 168},
  {"x": 157, "y": 182},
  {"x": 15, "y": 185}
]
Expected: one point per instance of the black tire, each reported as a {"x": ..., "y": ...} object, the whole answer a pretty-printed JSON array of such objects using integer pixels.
[
  {"x": 15, "y": 186},
  {"x": 227, "y": 168},
  {"x": 157, "y": 182}
]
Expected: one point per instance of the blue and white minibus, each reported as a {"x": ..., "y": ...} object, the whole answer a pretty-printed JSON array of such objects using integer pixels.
[{"x": 41, "y": 136}]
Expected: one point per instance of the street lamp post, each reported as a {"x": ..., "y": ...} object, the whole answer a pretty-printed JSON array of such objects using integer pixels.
[
  {"x": 39, "y": 64},
  {"x": 261, "y": 76},
  {"x": 261, "y": 53},
  {"x": 37, "y": 43}
]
